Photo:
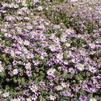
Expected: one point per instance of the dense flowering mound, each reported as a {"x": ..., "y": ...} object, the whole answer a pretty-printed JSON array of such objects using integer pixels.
[{"x": 41, "y": 61}]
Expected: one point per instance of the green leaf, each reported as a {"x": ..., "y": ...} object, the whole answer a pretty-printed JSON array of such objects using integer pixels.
[
  {"x": 65, "y": 75},
  {"x": 15, "y": 80},
  {"x": 21, "y": 81},
  {"x": 29, "y": 4},
  {"x": 41, "y": 98},
  {"x": 65, "y": 98},
  {"x": 44, "y": 93},
  {"x": 78, "y": 42},
  {"x": 2, "y": 75},
  {"x": 7, "y": 42}
]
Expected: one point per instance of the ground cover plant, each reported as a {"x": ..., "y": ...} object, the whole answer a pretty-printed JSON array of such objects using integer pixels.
[{"x": 50, "y": 50}]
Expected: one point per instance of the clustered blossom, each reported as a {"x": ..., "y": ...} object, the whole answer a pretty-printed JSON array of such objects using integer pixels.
[{"x": 37, "y": 64}]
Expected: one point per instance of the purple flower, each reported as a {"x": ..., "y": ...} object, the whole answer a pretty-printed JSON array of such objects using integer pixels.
[
  {"x": 82, "y": 98},
  {"x": 67, "y": 93},
  {"x": 28, "y": 73}
]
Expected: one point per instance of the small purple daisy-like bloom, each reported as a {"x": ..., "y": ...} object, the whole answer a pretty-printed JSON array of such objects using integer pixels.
[
  {"x": 28, "y": 73},
  {"x": 82, "y": 98},
  {"x": 34, "y": 97},
  {"x": 67, "y": 93},
  {"x": 21, "y": 98}
]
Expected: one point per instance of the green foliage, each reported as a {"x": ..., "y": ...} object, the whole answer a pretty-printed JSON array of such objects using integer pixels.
[
  {"x": 2, "y": 75},
  {"x": 29, "y": 4},
  {"x": 13, "y": 83},
  {"x": 78, "y": 42},
  {"x": 95, "y": 56},
  {"x": 7, "y": 42},
  {"x": 75, "y": 22},
  {"x": 6, "y": 59},
  {"x": 49, "y": 31},
  {"x": 79, "y": 77},
  {"x": 1, "y": 34},
  {"x": 71, "y": 21},
  {"x": 40, "y": 77},
  {"x": 52, "y": 16},
  {"x": 60, "y": 17},
  {"x": 21, "y": 81},
  {"x": 44, "y": 93},
  {"x": 11, "y": 90},
  {"x": 44, "y": 2},
  {"x": 1, "y": 17},
  {"x": 41, "y": 98},
  {"x": 5, "y": 99},
  {"x": 65, "y": 75},
  {"x": 58, "y": 1},
  {"x": 76, "y": 98},
  {"x": 65, "y": 98},
  {"x": 37, "y": 57}
]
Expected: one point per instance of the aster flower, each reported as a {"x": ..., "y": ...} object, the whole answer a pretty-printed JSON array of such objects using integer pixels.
[
  {"x": 92, "y": 89},
  {"x": 64, "y": 85},
  {"x": 52, "y": 98},
  {"x": 60, "y": 56},
  {"x": 23, "y": 11},
  {"x": 35, "y": 1},
  {"x": 12, "y": 53},
  {"x": 21, "y": 98},
  {"x": 28, "y": 66},
  {"x": 73, "y": 0},
  {"x": 26, "y": 42},
  {"x": 92, "y": 69},
  {"x": 29, "y": 73},
  {"x": 67, "y": 93},
  {"x": 15, "y": 71},
  {"x": 41, "y": 51},
  {"x": 33, "y": 88},
  {"x": 28, "y": 99},
  {"x": 34, "y": 97},
  {"x": 67, "y": 44},
  {"x": 64, "y": 38},
  {"x": 59, "y": 88},
  {"x": 80, "y": 67},
  {"x": 39, "y": 8},
  {"x": 83, "y": 98},
  {"x": 10, "y": 18},
  {"x": 52, "y": 48},
  {"x": 92, "y": 45},
  {"x": 51, "y": 72},
  {"x": 6, "y": 94}
]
